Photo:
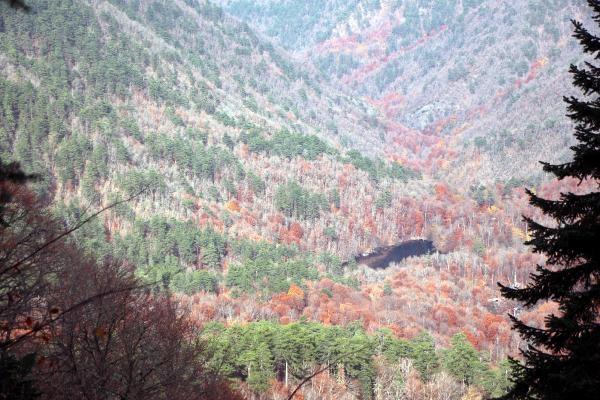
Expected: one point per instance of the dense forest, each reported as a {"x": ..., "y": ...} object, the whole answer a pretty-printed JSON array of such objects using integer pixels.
[{"x": 211, "y": 171}]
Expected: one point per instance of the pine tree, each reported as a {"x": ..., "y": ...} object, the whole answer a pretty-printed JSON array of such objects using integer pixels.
[
  {"x": 424, "y": 356},
  {"x": 562, "y": 359},
  {"x": 462, "y": 360}
]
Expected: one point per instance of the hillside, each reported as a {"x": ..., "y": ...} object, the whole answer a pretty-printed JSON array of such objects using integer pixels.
[
  {"x": 204, "y": 126},
  {"x": 234, "y": 165},
  {"x": 266, "y": 148},
  {"x": 229, "y": 139},
  {"x": 448, "y": 77}
]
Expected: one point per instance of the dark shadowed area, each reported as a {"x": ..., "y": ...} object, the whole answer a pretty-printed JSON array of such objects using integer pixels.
[{"x": 382, "y": 257}]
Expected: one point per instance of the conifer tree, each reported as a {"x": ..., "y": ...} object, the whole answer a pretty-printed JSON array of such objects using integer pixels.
[
  {"x": 424, "y": 355},
  {"x": 462, "y": 360},
  {"x": 562, "y": 359}
]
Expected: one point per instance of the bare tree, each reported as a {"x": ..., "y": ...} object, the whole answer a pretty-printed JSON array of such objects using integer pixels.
[
  {"x": 96, "y": 331},
  {"x": 127, "y": 345}
]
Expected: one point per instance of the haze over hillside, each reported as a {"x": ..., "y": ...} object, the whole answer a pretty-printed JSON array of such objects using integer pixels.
[
  {"x": 449, "y": 74},
  {"x": 275, "y": 142}
]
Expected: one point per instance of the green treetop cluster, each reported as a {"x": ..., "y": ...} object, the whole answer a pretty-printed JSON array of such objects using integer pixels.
[{"x": 260, "y": 352}]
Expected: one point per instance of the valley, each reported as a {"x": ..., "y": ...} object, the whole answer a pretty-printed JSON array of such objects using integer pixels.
[{"x": 317, "y": 183}]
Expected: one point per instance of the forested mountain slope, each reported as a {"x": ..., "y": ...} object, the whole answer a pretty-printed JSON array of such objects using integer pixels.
[
  {"x": 231, "y": 140},
  {"x": 448, "y": 76},
  {"x": 110, "y": 96},
  {"x": 266, "y": 172}
]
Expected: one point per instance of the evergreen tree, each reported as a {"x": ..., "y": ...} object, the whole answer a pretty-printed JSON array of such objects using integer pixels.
[
  {"x": 424, "y": 355},
  {"x": 462, "y": 360},
  {"x": 259, "y": 361},
  {"x": 296, "y": 349},
  {"x": 562, "y": 359}
]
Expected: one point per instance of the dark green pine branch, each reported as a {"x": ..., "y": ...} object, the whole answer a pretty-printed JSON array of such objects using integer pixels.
[
  {"x": 562, "y": 357},
  {"x": 589, "y": 42},
  {"x": 587, "y": 79},
  {"x": 569, "y": 207},
  {"x": 566, "y": 244},
  {"x": 550, "y": 284},
  {"x": 587, "y": 137},
  {"x": 595, "y": 6},
  {"x": 585, "y": 112}
]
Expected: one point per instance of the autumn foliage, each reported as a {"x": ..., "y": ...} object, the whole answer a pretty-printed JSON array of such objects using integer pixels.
[{"x": 91, "y": 326}]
